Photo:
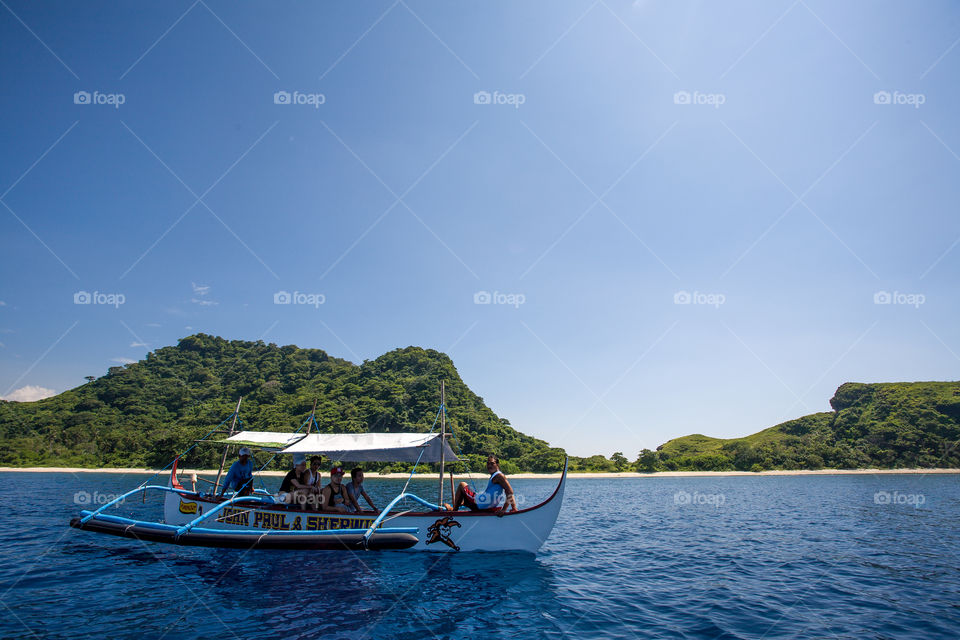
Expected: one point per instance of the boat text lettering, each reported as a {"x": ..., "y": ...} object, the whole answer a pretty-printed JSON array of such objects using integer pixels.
[
  {"x": 267, "y": 520},
  {"x": 235, "y": 516},
  {"x": 325, "y": 523}
]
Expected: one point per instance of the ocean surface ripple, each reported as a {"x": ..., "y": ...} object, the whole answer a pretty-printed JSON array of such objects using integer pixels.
[{"x": 732, "y": 557}]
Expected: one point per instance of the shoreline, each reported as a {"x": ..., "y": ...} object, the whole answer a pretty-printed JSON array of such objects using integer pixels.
[{"x": 185, "y": 473}]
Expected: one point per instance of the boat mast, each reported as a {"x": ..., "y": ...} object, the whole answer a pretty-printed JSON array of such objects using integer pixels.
[
  {"x": 312, "y": 411},
  {"x": 223, "y": 460},
  {"x": 443, "y": 437}
]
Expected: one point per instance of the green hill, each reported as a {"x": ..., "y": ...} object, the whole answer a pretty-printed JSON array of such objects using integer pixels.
[
  {"x": 140, "y": 414},
  {"x": 885, "y": 425}
]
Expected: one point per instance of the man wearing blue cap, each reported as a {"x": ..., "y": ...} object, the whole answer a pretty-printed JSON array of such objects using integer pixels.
[{"x": 240, "y": 476}]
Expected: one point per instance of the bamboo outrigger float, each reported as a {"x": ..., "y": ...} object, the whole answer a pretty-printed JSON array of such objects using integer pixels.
[{"x": 196, "y": 518}]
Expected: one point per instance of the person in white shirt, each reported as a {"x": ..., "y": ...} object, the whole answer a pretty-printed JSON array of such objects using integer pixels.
[
  {"x": 313, "y": 476},
  {"x": 497, "y": 497}
]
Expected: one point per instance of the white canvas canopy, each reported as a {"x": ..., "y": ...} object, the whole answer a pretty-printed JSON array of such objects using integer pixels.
[
  {"x": 264, "y": 439},
  {"x": 355, "y": 447}
]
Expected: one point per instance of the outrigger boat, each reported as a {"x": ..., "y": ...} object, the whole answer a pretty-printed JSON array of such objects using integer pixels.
[{"x": 259, "y": 520}]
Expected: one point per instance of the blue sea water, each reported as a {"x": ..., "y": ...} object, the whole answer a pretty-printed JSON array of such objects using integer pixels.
[{"x": 735, "y": 557}]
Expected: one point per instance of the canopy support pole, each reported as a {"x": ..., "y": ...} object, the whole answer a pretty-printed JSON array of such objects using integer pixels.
[
  {"x": 223, "y": 460},
  {"x": 443, "y": 437},
  {"x": 310, "y": 419}
]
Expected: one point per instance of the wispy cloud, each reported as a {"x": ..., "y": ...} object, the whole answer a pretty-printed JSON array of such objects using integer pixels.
[
  {"x": 138, "y": 344},
  {"x": 200, "y": 293},
  {"x": 154, "y": 325},
  {"x": 29, "y": 393},
  {"x": 122, "y": 360}
]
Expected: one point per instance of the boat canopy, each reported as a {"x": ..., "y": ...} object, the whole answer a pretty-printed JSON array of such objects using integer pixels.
[
  {"x": 355, "y": 447},
  {"x": 267, "y": 440}
]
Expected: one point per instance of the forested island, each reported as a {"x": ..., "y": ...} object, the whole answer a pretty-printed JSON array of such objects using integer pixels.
[
  {"x": 879, "y": 426},
  {"x": 139, "y": 415}
]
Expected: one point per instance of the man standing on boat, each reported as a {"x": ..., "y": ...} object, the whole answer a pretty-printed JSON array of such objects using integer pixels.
[
  {"x": 240, "y": 476},
  {"x": 497, "y": 497}
]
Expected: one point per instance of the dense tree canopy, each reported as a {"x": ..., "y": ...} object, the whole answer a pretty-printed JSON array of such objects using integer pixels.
[{"x": 141, "y": 414}]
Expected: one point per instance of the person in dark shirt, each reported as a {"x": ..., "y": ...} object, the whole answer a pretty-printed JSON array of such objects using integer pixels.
[
  {"x": 334, "y": 496},
  {"x": 294, "y": 488}
]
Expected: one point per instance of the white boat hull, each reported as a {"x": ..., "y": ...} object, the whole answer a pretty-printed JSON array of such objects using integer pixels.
[{"x": 445, "y": 531}]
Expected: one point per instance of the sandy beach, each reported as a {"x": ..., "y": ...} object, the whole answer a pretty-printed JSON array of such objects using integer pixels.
[{"x": 572, "y": 476}]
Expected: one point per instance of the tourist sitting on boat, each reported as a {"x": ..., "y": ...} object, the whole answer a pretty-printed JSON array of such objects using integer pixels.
[
  {"x": 240, "y": 476},
  {"x": 497, "y": 497},
  {"x": 294, "y": 488},
  {"x": 355, "y": 491},
  {"x": 314, "y": 477},
  {"x": 334, "y": 496}
]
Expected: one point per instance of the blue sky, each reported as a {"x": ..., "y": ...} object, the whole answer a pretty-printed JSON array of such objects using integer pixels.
[{"x": 688, "y": 216}]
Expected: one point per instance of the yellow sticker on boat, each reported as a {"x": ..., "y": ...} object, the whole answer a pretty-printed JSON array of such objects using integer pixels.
[{"x": 188, "y": 507}]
